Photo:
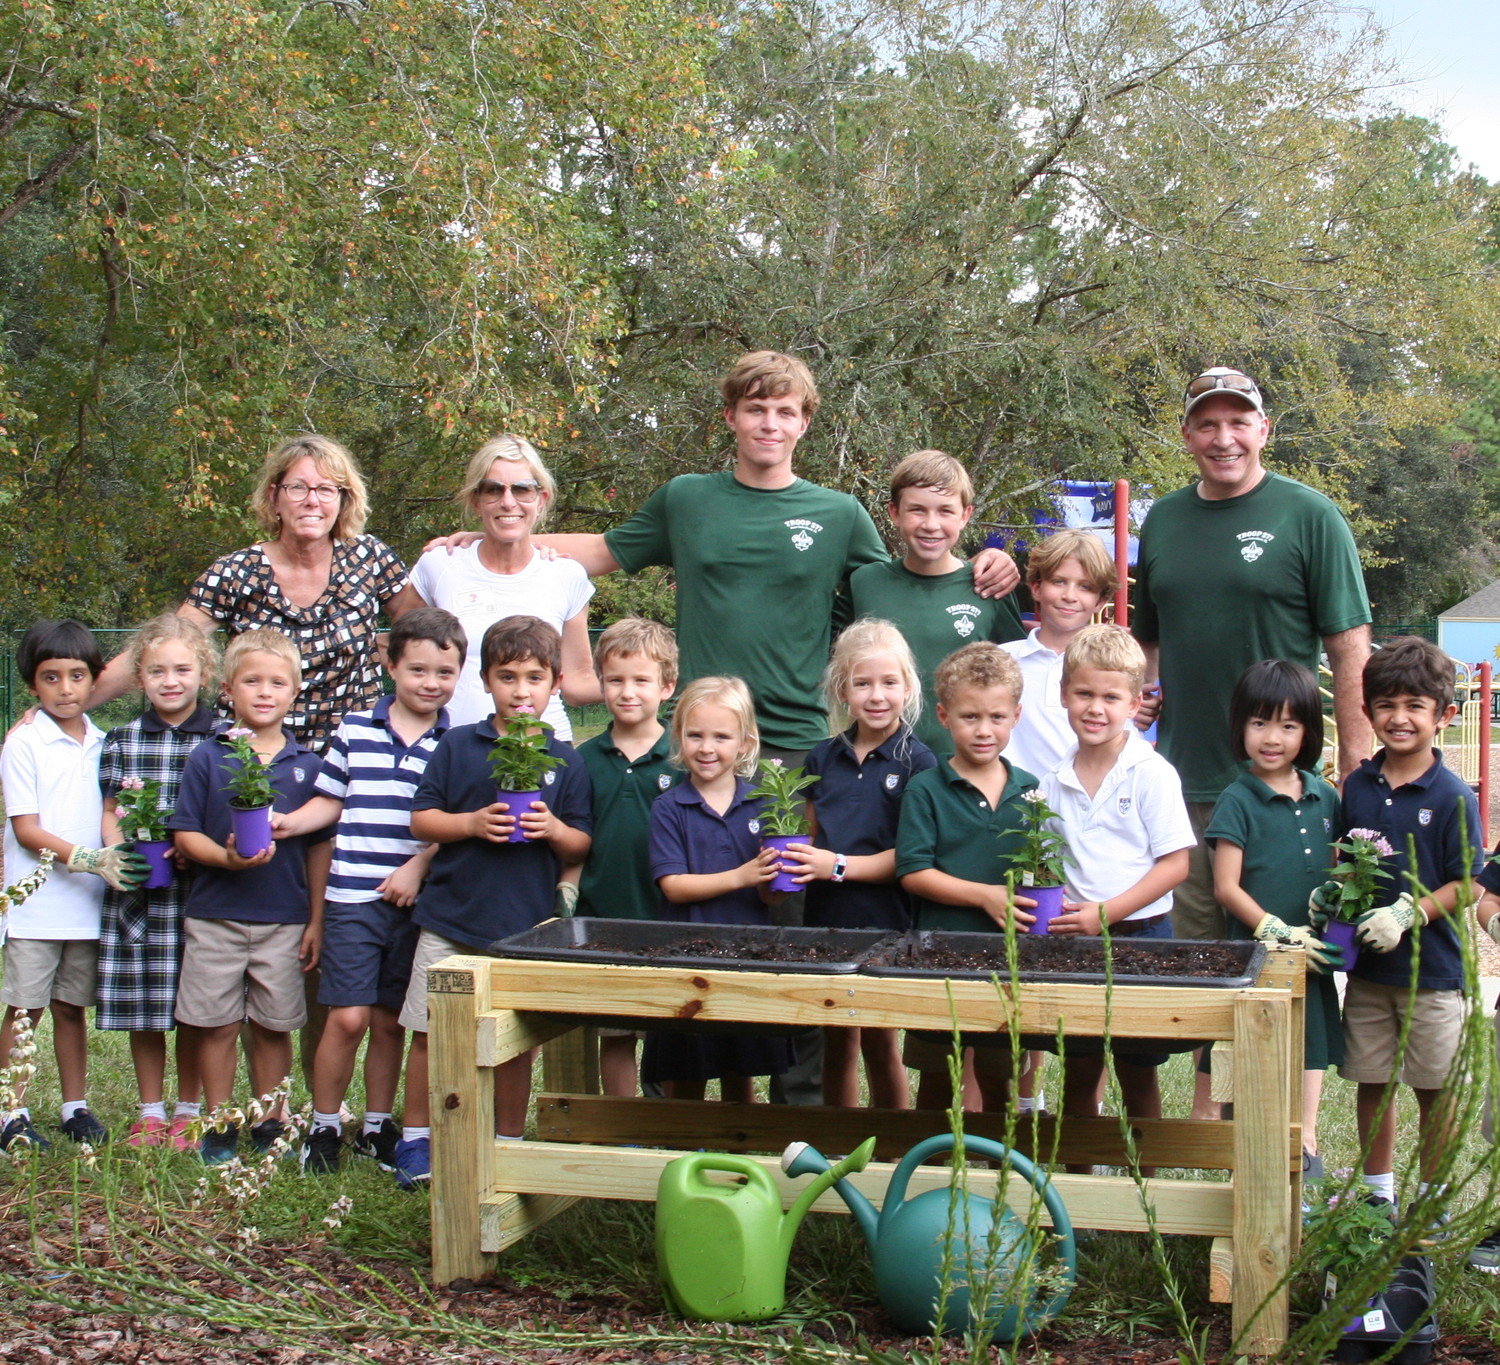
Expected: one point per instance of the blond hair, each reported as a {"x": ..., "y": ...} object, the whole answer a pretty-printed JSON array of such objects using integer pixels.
[
  {"x": 1085, "y": 547},
  {"x": 734, "y": 696},
  {"x": 263, "y": 640},
  {"x": 932, "y": 469},
  {"x": 980, "y": 665},
  {"x": 333, "y": 462},
  {"x": 170, "y": 626},
  {"x": 866, "y": 638},
  {"x": 1109, "y": 649},
  {"x": 769, "y": 374},
  {"x": 514, "y": 450},
  {"x": 637, "y": 635}
]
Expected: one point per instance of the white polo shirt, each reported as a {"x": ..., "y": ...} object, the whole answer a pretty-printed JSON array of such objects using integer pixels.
[
  {"x": 1042, "y": 736},
  {"x": 1137, "y": 816},
  {"x": 54, "y": 777}
]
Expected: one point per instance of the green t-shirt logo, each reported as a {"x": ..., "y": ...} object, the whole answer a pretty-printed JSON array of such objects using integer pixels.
[
  {"x": 803, "y": 532},
  {"x": 965, "y": 616},
  {"x": 1253, "y": 544}
]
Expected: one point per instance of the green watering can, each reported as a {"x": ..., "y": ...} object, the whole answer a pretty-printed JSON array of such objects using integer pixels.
[
  {"x": 992, "y": 1271},
  {"x": 722, "y": 1246}
]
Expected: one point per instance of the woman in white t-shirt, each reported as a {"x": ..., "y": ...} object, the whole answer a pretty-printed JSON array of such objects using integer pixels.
[{"x": 501, "y": 574}]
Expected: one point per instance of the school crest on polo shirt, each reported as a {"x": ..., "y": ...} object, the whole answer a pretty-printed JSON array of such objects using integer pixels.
[
  {"x": 1124, "y": 805},
  {"x": 299, "y": 773},
  {"x": 753, "y": 826},
  {"x": 663, "y": 781},
  {"x": 1253, "y": 544},
  {"x": 1424, "y": 816},
  {"x": 548, "y": 778},
  {"x": 890, "y": 781},
  {"x": 965, "y": 616},
  {"x": 803, "y": 532}
]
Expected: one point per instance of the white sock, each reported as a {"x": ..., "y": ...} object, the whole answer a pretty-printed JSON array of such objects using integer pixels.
[
  {"x": 510, "y": 1137},
  {"x": 71, "y": 1107},
  {"x": 187, "y": 1109},
  {"x": 1424, "y": 1189},
  {"x": 1384, "y": 1184},
  {"x": 1026, "y": 1104},
  {"x": 373, "y": 1120},
  {"x": 22, "y": 1113},
  {"x": 326, "y": 1121},
  {"x": 156, "y": 1109},
  {"x": 412, "y": 1134}
]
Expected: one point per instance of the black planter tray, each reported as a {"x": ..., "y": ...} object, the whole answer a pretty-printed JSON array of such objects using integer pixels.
[
  {"x": 749, "y": 947},
  {"x": 1038, "y": 959}
]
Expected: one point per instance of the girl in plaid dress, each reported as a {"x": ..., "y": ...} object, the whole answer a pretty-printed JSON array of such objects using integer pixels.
[{"x": 140, "y": 939}]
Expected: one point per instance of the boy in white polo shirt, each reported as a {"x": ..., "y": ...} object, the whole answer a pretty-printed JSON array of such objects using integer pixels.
[{"x": 1121, "y": 812}]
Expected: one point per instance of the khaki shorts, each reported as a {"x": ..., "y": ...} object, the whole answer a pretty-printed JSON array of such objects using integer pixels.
[
  {"x": 41, "y": 970},
  {"x": 233, "y": 968},
  {"x": 924, "y": 1051},
  {"x": 431, "y": 948},
  {"x": 1372, "y": 1027},
  {"x": 1195, "y": 912}
]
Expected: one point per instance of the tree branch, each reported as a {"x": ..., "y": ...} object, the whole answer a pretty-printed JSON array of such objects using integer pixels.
[
  {"x": 38, "y": 185},
  {"x": 21, "y": 100}
]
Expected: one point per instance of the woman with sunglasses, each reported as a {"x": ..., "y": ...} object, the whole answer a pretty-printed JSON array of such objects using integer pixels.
[
  {"x": 508, "y": 489},
  {"x": 316, "y": 577}
]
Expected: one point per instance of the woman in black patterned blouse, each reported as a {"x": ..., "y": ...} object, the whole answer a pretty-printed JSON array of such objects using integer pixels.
[{"x": 317, "y": 578}]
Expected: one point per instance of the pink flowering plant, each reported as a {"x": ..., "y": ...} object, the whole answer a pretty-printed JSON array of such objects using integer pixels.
[
  {"x": 1357, "y": 873},
  {"x": 249, "y": 784},
  {"x": 519, "y": 761},
  {"x": 143, "y": 818},
  {"x": 781, "y": 788}
]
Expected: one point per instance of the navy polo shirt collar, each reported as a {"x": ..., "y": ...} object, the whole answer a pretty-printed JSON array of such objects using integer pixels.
[
  {"x": 380, "y": 714},
  {"x": 201, "y": 722},
  {"x": 1376, "y": 767},
  {"x": 289, "y": 749},
  {"x": 685, "y": 794},
  {"x": 886, "y": 749}
]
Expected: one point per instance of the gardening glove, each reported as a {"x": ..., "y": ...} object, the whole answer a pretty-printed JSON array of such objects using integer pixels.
[
  {"x": 1321, "y": 957},
  {"x": 1322, "y": 902},
  {"x": 1382, "y": 927},
  {"x": 565, "y": 900},
  {"x": 118, "y": 865},
  {"x": 1493, "y": 928}
]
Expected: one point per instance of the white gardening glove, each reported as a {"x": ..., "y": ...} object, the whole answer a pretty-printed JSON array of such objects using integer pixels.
[
  {"x": 1493, "y": 927},
  {"x": 122, "y": 868},
  {"x": 1382, "y": 927},
  {"x": 565, "y": 900},
  {"x": 1321, "y": 957}
]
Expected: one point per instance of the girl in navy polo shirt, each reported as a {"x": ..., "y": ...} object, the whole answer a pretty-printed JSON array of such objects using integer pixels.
[
  {"x": 874, "y": 696},
  {"x": 707, "y": 860}
]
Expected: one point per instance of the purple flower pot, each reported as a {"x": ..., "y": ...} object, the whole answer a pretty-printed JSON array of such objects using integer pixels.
[
  {"x": 1341, "y": 935},
  {"x": 783, "y": 881},
  {"x": 517, "y": 804},
  {"x": 1049, "y": 904},
  {"x": 252, "y": 829},
  {"x": 158, "y": 856}
]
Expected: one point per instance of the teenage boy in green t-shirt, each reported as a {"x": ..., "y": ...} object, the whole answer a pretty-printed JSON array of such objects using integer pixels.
[{"x": 929, "y": 594}]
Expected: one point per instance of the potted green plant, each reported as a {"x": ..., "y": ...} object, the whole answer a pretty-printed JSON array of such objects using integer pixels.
[
  {"x": 1351, "y": 889},
  {"x": 1343, "y": 1230},
  {"x": 521, "y": 767},
  {"x": 784, "y": 819},
  {"x": 250, "y": 794},
  {"x": 143, "y": 823},
  {"x": 1040, "y": 860}
]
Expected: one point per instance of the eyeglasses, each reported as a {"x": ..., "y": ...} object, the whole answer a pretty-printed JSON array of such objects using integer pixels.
[
  {"x": 323, "y": 492},
  {"x": 1232, "y": 380},
  {"x": 524, "y": 491}
]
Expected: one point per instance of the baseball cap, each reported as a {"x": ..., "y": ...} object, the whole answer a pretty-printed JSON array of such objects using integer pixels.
[{"x": 1221, "y": 379}]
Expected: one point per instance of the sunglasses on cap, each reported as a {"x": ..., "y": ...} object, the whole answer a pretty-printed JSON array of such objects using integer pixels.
[{"x": 1221, "y": 380}]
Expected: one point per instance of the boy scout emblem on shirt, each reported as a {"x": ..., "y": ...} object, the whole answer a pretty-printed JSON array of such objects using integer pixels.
[
  {"x": 803, "y": 531},
  {"x": 1424, "y": 816},
  {"x": 965, "y": 618},
  {"x": 1253, "y": 544},
  {"x": 890, "y": 781},
  {"x": 754, "y": 827},
  {"x": 663, "y": 781}
]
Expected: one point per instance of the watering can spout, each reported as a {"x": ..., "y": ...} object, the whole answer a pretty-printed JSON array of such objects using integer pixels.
[{"x": 801, "y": 1159}]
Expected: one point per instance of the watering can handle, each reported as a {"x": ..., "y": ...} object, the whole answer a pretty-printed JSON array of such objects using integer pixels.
[{"x": 727, "y": 1163}]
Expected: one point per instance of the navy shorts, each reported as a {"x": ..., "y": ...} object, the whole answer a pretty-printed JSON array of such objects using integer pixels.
[{"x": 367, "y": 954}]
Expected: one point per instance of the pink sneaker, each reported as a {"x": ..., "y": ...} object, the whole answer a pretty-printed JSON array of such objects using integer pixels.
[
  {"x": 149, "y": 1132},
  {"x": 177, "y": 1134}
]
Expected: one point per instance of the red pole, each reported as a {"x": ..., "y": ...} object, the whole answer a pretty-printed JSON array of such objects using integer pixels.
[
  {"x": 1485, "y": 672},
  {"x": 1122, "y": 552}
]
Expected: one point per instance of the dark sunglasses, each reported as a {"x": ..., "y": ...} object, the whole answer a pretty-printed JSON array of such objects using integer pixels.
[
  {"x": 524, "y": 491},
  {"x": 1235, "y": 382}
]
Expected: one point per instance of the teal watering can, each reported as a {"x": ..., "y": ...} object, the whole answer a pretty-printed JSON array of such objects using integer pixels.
[
  {"x": 992, "y": 1269},
  {"x": 722, "y": 1246}
]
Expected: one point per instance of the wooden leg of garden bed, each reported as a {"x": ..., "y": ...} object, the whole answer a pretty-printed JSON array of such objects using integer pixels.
[
  {"x": 462, "y": 1095},
  {"x": 571, "y": 1062},
  {"x": 1262, "y": 1175}
]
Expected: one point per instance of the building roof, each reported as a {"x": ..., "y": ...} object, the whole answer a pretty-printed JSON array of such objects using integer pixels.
[{"x": 1483, "y": 605}]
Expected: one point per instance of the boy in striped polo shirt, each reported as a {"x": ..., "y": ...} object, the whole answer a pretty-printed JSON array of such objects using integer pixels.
[{"x": 369, "y": 777}]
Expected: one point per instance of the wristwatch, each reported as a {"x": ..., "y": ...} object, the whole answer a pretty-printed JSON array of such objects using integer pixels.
[{"x": 840, "y": 868}]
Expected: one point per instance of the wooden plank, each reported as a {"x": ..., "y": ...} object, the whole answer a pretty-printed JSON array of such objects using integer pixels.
[
  {"x": 503, "y": 1034},
  {"x": 1262, "y": 1185},
  {"x": 505, "y": 1219},
  {"x": 1220, "y": 1270},
  {"x": 571, "y": 1062},
  {"x": 606, "y": 989},
  {"x": 1188, "y": 1207},
  {"x": 462, "y": 1097},
  {"x": 687, "y": 1125},
  {"x": 1285, "y": 969}
]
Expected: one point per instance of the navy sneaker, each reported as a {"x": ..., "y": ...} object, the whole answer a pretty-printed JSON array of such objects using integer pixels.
[
  {"x": 84, "y": 1127},
  {"x": 218, "y": 1145},
  {"x": 20, "y": 1129},
  {"x": 413, "y": 1162},
  {"x": 379, "y": 1146},
  {"x": 322, "y": 1151},
  {"x": 265, "y": 1133}
]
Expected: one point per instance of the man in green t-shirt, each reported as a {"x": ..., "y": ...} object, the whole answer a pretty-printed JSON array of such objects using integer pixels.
[{"x": 1244, "y": 565}]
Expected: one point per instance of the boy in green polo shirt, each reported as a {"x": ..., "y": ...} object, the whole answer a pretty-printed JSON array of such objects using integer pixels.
[
  {"x": 929, "y": 593},
  {"x": 636, "y": 661},
  {"x": 960, "y": 828}
]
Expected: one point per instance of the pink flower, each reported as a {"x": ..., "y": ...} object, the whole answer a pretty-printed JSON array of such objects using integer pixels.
[
  {"x": 131, "y": 784},
  {"x": 239, "y": 732}
]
